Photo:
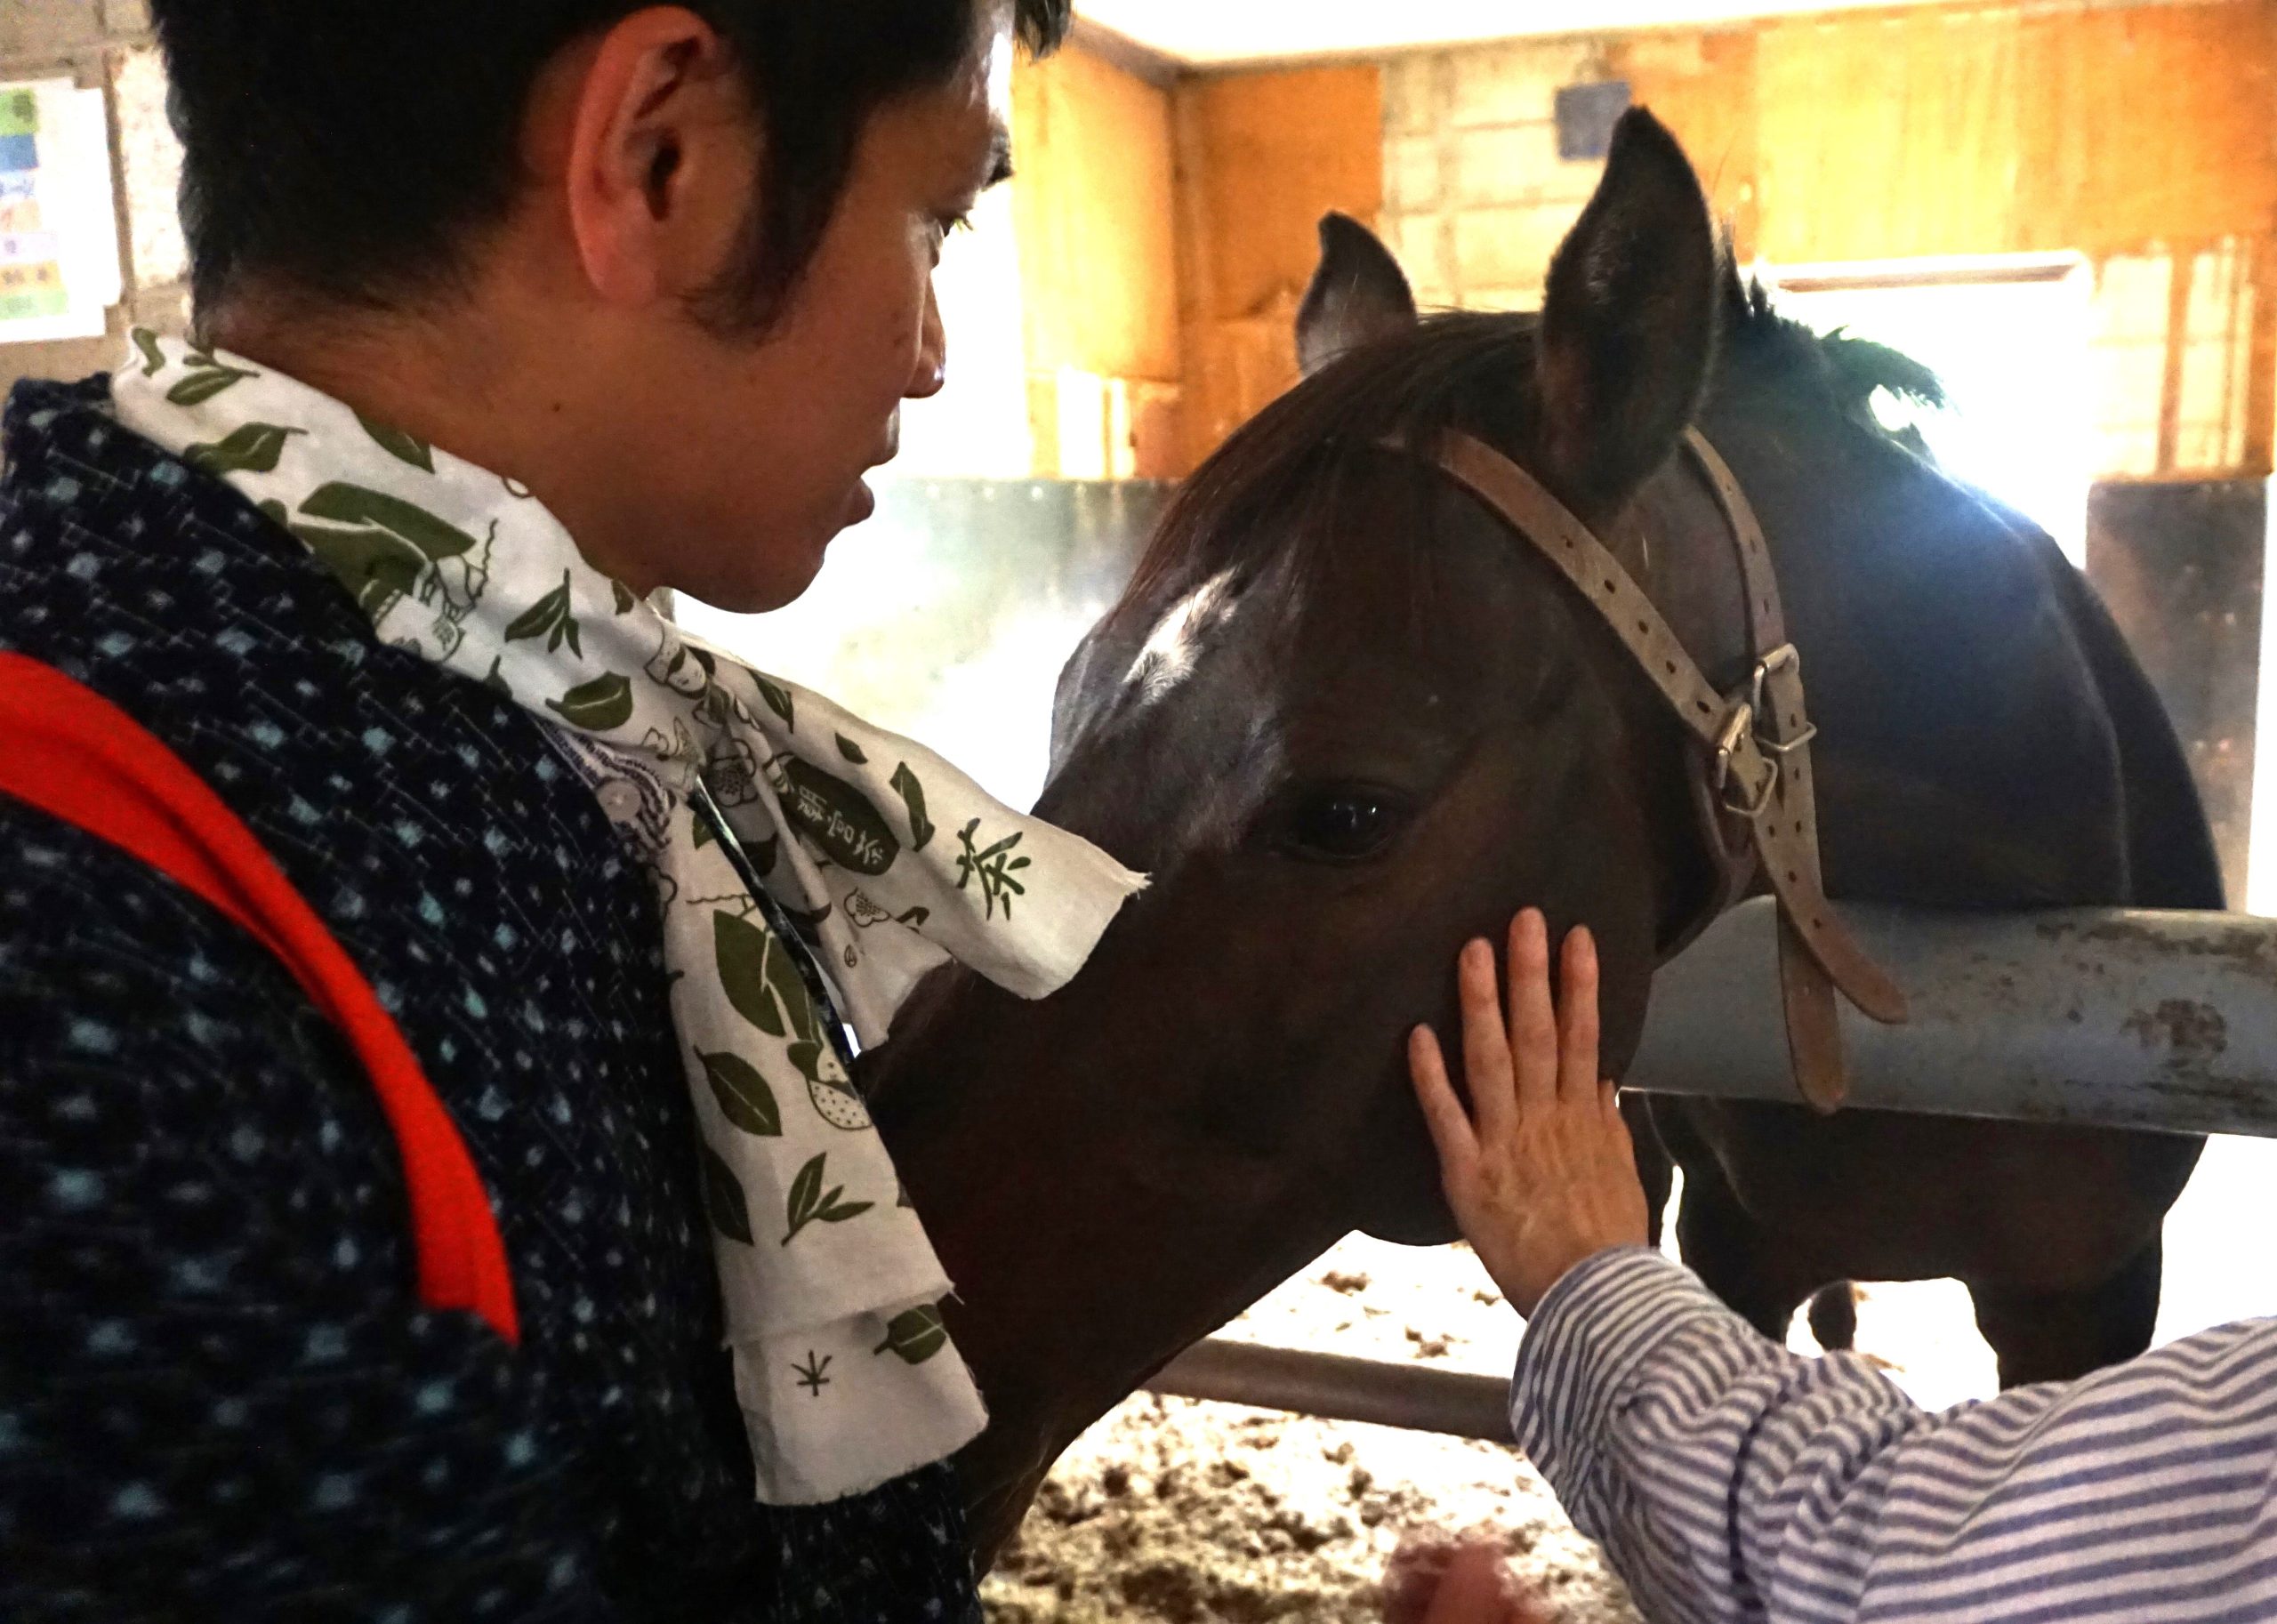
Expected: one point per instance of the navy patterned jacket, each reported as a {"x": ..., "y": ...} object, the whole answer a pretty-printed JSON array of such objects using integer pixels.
[{"x": 220, "y": 1397}]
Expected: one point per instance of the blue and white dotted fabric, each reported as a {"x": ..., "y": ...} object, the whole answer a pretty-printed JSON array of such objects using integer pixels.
[{"x": 218, "y": 1395}]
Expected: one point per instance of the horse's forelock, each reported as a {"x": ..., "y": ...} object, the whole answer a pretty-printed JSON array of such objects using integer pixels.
[{"x": 1269, "y": 491}]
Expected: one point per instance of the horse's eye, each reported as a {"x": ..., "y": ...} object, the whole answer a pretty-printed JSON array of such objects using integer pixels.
[{"x": 1344, "y": 824}]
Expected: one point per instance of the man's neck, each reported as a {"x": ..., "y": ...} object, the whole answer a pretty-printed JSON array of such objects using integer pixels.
[{"x": 453, "y": 382}]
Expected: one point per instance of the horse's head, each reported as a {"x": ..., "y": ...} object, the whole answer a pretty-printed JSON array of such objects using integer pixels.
[{"x": 1347, "y": 719}]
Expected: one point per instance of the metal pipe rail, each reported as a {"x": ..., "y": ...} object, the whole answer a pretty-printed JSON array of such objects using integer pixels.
[
  {"x": 2113, "y": 1017},
  {"x": 1339, "y": 1390}
]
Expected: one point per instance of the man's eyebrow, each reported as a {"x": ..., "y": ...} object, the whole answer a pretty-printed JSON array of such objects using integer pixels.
[{"x": 1000, "y": 155}]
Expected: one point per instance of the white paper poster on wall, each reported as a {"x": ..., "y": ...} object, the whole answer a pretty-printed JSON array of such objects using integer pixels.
[{"x": 58, "y": 218}]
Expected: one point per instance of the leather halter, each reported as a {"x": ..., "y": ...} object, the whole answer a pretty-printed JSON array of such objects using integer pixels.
[{"x": 1754, "y": 762}]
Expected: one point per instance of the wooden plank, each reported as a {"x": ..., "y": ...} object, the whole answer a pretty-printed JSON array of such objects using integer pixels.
[
  {"x": 2261, "y": 375},
  {"x": 1703, "y": 87},
  {"x": 1281, "y": 149},
  {"x": 1888, "y": 136},
  {"x": 1261, "y": 157},
  {"x": 2002, "y": 129},
  {"x": 1091, "y": 144},
  {"x": 2153, "y": 123},
  {"x": 1209, "y": 416},
  {"x": 2179, "y": 286}
]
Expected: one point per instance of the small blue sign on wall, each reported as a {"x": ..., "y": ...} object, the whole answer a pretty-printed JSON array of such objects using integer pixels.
[{"x": 1586, "y": 114}]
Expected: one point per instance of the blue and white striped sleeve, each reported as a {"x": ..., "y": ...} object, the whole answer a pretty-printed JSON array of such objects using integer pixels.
[{"x": 1729, "y": 1479}]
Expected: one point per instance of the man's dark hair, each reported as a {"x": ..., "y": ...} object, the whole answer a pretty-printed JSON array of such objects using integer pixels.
[{"x": 351, "y": 150}]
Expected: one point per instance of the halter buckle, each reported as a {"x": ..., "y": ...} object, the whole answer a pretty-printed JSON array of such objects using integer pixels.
[
  {"x": 1782, "y": 667},
  {"x": 1739, "y": 738}
]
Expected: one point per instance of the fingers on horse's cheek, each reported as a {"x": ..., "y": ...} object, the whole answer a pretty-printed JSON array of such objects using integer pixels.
[
  {"x": 1539, "y": 1033},
  {"x": 1477, "y": 975}
]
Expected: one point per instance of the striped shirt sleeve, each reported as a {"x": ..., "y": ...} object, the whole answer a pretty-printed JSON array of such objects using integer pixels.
[{"x": 1729, "y": 1479}]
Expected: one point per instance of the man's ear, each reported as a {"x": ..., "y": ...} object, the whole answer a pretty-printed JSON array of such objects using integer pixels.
[
  {"x": 1629, "y": 319},
  {"x": 1357, "y": 294},
  {"x": 653, "y": 145}
]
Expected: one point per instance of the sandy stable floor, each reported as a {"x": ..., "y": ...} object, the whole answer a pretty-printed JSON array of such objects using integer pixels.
[{"x": 1172, "y": 1511}]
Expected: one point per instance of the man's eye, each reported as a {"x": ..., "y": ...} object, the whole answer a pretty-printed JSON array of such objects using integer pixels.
[{"x": 951, "y": 224}]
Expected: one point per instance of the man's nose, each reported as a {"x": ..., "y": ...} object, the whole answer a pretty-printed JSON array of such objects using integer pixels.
[{"x": 932, "y": 369}]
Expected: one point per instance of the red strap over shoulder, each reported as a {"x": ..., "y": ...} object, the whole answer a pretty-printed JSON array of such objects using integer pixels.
[{"x": 75, "y": 755}]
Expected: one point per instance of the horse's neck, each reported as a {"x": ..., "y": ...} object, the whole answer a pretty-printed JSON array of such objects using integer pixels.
[{"x": 1077, "y": 1274}]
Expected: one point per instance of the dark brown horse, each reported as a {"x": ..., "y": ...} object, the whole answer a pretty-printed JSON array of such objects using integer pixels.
[{"x": 1347, "y": 720}]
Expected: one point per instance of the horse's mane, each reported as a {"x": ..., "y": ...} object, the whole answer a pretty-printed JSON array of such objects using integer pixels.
[
  {"x": 1837, "y": 369},
  {"x": 1249, "y": 503}
]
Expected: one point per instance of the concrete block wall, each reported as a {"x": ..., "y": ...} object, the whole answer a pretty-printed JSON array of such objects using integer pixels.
[
  {"x": 106, "y": 44},
  {"x": 1476, "y": 198}
]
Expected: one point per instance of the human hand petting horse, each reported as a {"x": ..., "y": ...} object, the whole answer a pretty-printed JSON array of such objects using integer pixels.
[{"x": 1539, "y": 1171}]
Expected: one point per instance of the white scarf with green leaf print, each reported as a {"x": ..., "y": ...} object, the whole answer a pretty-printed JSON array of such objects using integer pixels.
[{"x": 892, "y": 859}]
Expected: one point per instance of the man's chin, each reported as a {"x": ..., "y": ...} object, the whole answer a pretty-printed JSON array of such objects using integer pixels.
[{"x": 793, "y": 559}]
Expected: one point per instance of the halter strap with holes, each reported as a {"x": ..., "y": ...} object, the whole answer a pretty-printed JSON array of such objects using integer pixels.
[{"x": 1754, "y": 743}]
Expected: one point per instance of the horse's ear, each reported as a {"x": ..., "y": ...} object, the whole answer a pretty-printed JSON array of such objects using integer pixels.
[
  {"x": 1358, "y": 294},
  {"x": 1629, "y": 319}
]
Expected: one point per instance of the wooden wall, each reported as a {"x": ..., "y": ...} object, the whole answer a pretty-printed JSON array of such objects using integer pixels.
[
  {"x": 1992, "y": 129},
  {"x": 2103, "y": 131},
  {"x": 1261, "y": 157},
  {"x": 1167, "y": 230},
  {"x": 1092, "y": 144},
  {"x": 1986, "y": 129},
  {"x": 1166, "y": 227},
  {"x": 1096, "y": 215},
  {"x": 1703, "y": 87}
]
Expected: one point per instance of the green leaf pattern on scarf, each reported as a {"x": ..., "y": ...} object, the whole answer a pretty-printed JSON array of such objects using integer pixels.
[
  {"x": 255, "y": 449},
  {"x": 912, "y": 797},
  {"x": 549, "y": 618},
  {"x": 596, "y": 706},
  {"x": 744, "y": 1098},
  {"x": 742, "y": 951},
  {"x": 403, "y": 448},
  {"x": 811, "y": 1203},
  {"x": 723, "y": 1198},
  {"x": 201, "y": 387},
  {"x": 916, "y": 1336},
  {"x": 835, "y": 815}
]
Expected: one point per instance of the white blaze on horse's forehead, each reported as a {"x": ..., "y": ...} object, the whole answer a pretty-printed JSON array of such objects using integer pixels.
[{"x": 1168, "y": 657}]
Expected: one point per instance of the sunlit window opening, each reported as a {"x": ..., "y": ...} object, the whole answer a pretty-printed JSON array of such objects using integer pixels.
[{"x": 2008, "y": 339}]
